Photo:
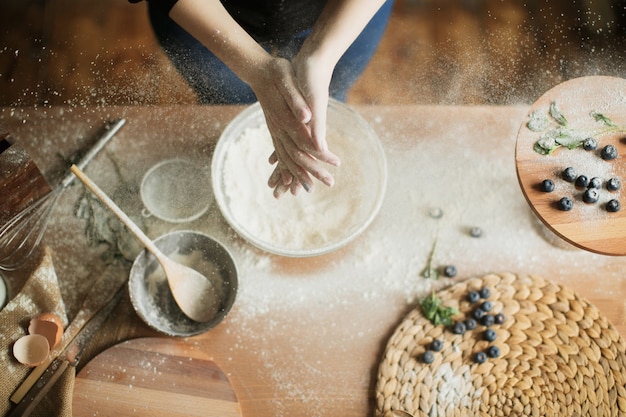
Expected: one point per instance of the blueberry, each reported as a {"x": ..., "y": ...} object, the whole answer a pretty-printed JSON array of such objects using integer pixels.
[
  {"x": 476, "y": 231},
  {"x": 473, "y": 296},
  {"x": 591, "y": 195},
  {"x": 613, "y": 184},
  {"x": 450, "y": 271},
  {"x": 499, "y": 318},
  {"x": 470, "y": 323},
  {"x": 613, "y": 206},
  {"x": 484, "y": 292},
  {"x": 566, "y": 204},
  {"x": 493, "y": 351},
  {"x": 436, "y": 345},
  {"x": 488, "y": 320},
  {"x": 489, "y": 335},
  {"x": 609, "y": 152},
  {"x": 590, "y": 144},
  {"x": 459, "y": 328},
  {"x": 569, "y": 174},
  {"x": 595, "y": 182},
  {"x": 428, "y": 357},
  {"x": 547, "y": 186},
  {"x": 478, "y": 314},
  {"x": 582, "y": 181},
  {"x": 485, "y": 306},
  {"x": 480, "y": 357}
]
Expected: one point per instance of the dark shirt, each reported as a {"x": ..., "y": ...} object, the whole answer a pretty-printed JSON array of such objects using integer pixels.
[{"x": 267, "y": 19}]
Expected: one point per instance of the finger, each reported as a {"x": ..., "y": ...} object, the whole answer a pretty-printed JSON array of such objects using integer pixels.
[
  {"x": 298, "y": 172},
  {"x": 280, "y": 189},
  {"x": 273, "y": 158},
  {"x": 306, "y": 162},
  {"x": 295, "y": 188},
  {"x": 275, "y": 178},
  {"x": 280, "y": 174},
  {"x": 324, "y": 156},
  {"x": 309, "y": 146}
]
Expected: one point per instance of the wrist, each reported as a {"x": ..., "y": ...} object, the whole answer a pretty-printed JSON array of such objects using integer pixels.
[
  {"x": 255, "y": 70},
  {"x": 318, "y": 53}
]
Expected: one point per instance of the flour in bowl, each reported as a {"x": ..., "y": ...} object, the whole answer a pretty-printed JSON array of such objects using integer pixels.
[{"x": 294, "y": 223}]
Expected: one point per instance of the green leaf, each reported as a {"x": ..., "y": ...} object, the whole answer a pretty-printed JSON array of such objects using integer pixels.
[
  {"x": 547, "y": 143},
  {"x": 434, "y": 310},
  {"x": 538, "y": 121},
  {"x": 569, "y": 138},
  {"x": 540, "y": 149},
  {"x": 557, "y": 115},
  {"x": 599, "y": 117}
]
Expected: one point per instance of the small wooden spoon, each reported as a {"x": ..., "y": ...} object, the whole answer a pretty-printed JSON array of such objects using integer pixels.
[{"x": 193, "y": 292}]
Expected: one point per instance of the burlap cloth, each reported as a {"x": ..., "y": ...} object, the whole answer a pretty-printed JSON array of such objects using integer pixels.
[{"x": 40, "y": 293}]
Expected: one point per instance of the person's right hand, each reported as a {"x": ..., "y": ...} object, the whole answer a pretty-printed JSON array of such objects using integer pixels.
[{"x": 297, "y": 155}]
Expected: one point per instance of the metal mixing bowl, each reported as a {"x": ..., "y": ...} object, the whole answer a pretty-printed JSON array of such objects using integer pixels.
[
  {"x": 150, "y": 293},
  {"x": 309, "y": 224}
]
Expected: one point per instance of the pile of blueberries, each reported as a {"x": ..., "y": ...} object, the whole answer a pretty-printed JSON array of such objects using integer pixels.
[
  {"x": 482, "y": 315},
  {"x": 591, "y": 186}
]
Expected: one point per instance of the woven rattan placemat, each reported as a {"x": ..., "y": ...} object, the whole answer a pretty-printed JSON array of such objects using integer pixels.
[{"x": 558, "y": 357}]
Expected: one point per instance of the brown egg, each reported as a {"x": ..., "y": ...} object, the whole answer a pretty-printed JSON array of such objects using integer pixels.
[
  {"x": 31, "y": 350},
  {"x": 48, "y": 325}
]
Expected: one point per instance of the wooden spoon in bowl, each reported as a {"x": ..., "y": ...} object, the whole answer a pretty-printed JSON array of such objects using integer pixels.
[{"x": 193, "y": 292}]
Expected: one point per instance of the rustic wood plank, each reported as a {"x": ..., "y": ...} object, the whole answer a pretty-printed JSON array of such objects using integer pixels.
[{"x": 469, "y": 52}]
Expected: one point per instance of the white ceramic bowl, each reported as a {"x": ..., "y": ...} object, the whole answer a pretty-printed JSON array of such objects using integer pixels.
[{"x": 309, "y": 224}]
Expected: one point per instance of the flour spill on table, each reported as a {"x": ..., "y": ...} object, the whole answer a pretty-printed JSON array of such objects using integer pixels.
[
  {"x": 382, "y": 275},
  {"x": 378, "y": 274}
]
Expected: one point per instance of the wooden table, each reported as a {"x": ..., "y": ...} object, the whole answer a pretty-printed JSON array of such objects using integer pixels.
[{"x": 305, "y": 335}]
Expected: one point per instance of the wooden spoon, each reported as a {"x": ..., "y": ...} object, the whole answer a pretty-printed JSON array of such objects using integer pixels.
[{"x": 193, "y": 292}]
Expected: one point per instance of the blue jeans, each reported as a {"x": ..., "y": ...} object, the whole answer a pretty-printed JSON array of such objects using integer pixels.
[{"x": 215, "y": 83}]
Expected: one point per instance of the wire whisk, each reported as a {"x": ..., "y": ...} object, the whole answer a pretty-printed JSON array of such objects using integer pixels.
[{"x": 21, "y": 235}]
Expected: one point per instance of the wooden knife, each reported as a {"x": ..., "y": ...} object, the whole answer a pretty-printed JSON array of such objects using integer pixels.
[{"x": 69, "y": 357}]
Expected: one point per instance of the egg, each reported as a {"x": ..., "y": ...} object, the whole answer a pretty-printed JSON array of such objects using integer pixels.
[
  {"x": 31, "y": 350},
  {"x": 48, "y": 325}
]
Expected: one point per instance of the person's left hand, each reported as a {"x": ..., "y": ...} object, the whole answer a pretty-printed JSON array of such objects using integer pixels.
[{"x": 298, "y": 155}]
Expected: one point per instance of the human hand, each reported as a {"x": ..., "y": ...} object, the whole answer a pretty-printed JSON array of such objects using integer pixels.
[
  {"x": 298, "y": 156},
  {"x": 313, "y": 76}
]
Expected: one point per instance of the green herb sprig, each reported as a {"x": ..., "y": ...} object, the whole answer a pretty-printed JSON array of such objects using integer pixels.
[
  {"x": 430, "y": 271},
  {"x": 434, "y": 310},
  {"x": 556, "y": 132}
]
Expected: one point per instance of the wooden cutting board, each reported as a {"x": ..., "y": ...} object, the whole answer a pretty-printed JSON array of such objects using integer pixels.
[
  {"x": 154, "y": 377},
  {"x": 588, "y": 226}
]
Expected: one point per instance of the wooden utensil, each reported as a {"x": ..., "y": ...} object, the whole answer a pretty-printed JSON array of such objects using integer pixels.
[
  {"x": 588, "y": 226},
  {"x": 193, "y": 292},
  {"x": 154, "y": 377},
  {"x": 21, "y": 235},
  {"x": 100, "y": 294}
]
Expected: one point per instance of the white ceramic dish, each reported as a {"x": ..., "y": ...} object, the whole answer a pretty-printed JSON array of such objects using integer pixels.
[{"x": 309, "y": 224}]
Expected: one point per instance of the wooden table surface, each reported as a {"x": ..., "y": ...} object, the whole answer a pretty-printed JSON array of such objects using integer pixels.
[{"x": 305, "y": 335}]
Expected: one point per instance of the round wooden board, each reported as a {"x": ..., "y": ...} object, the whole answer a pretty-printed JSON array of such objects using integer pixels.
[
  {"x": 588, "y": 226},
  {"x": 153, "y": 377}
]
